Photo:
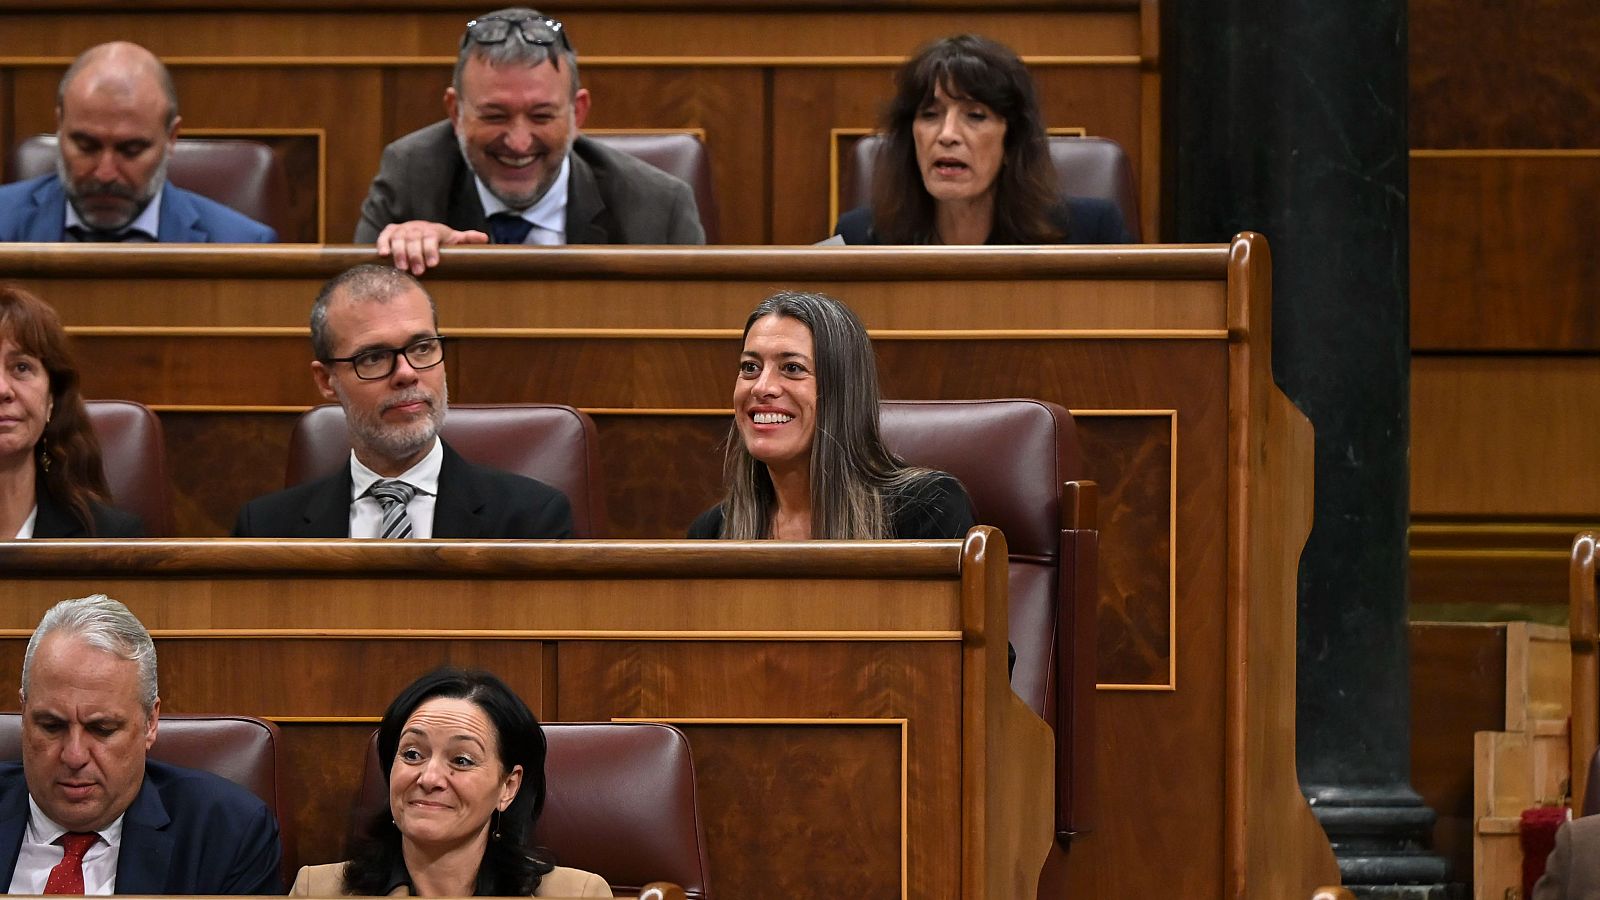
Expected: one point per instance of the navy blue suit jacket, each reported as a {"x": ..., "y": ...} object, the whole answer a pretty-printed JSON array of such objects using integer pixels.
[
  {"x": 36, "y": 210},
  {"x": 186, "y": 832}
]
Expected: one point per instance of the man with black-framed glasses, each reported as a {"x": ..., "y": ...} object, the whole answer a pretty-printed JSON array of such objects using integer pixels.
[
  {"x": 379, "y": 354},
  {"x": 509, "y": 167}
]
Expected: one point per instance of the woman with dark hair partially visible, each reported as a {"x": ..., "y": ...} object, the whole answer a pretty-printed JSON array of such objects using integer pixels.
[
  {"x": 464, "y": 759},
  {"x": 51, "y": 483},
  {"x": 804, "y": 457},
  {"x": 965, "y": 159}
]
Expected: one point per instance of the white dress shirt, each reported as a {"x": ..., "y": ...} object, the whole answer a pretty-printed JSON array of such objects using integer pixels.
[
  {"x": 26, "y": 531},
  {"x": 549, "y": 215},
  {"x": 366, "y": 513},
  {"x": 40, "y": 853}
]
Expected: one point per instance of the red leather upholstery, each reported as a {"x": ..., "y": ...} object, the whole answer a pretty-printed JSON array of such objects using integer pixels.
[
  {"x": 620, "y": 802},
  {"x": 1022, "y": 467},
  {"x": 245, "y": 175},
  {"x": 135, "y": 461},
  {"x": 244, "y": 750},
  {"x": 554, "y": 444},
  {"x": 678, "y": 153},
  {"x": 1085, "y": 166}
]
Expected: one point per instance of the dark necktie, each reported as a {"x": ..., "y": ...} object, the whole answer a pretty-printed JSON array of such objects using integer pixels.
[
  {"x": 394, "y": 495},
  {"x": 87, "y": 235},
  {"x": 509, "y": 228},
  {"x": 67, "y": 876}
]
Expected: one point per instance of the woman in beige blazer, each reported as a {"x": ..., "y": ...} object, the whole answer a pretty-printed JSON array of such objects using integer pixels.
[{"x": 464, "y": 758}]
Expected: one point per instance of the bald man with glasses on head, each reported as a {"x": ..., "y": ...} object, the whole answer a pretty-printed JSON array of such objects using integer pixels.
[
  {"x": 379, "y": 354},
  {"x": 508, "y": 166}
]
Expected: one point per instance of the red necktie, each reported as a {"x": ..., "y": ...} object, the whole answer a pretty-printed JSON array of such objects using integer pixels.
[{"x": 67, "y": 876}]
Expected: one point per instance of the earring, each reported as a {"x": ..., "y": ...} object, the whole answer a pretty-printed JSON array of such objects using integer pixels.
[
  {"x": 44, "y": 459},
  {"x": 494, "y": 825}
]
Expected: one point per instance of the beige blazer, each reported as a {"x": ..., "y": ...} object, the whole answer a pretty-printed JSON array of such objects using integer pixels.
[{"x": 327, "y": 880}]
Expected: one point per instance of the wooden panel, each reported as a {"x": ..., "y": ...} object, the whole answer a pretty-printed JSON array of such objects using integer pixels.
[
  {"x": 1491, "y": 74},
  {"x": 1163, "y": 347},
  {"x": 1458, "y": 688},
  {"x": 1508, "y": 437},
  {"x": 1504, "y": 251},
  {"x": 1515, "y": 566},
  {"x": 855, "y": 656}
]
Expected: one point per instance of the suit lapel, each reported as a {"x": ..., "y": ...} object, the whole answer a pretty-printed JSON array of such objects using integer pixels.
[
  {"x": 584, "y": 204},
  {"x": 49, "y": 220},
  {"x": 54, "y": 521},
  {"x": 13, "y": 822},
  {"x": 146, "y": 844},
  {"x": 457, "y": 512},
  {"x": 180, "y": 219},
  {"x": 327, "y": 515}
]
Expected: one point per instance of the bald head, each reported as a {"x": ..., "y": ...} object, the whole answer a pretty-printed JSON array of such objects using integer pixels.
[
  {"x": 121, "y": 70},
  {"x": 116, "y": 123}
]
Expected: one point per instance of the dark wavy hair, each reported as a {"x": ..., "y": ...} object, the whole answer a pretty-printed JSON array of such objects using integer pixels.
[
  {"x": 967, "y": 67},
  {"x": 857, "y": 484},
  {"x": 512, "y": 866},
  {"x": 67, "y": 458}
]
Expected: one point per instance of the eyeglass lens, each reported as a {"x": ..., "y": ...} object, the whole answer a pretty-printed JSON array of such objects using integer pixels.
[{"x": 424, "y": 354}]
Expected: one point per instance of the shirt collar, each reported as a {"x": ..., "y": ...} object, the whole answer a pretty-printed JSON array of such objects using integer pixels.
[
  {"x": 424, "y": 476},
  {"x": 550, "y": 213},
  {"x": 43, "y": 830},
  {"x": 147, "y": 222},
  {"x": 400, "y": 876}
]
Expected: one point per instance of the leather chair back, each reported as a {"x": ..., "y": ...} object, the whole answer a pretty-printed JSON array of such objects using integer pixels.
[
  {"x": 1085, "y": 167},
  {"x": 1591, "y": 796},
  {"x": 552, "y": 443},
  {"x": 1021, "y": 465},
  {"x": 620, "y": 802},
  {"x": 242, "y": 174},
  {"x": 677, "y": 153},
  {"x": 135, "y": 461},
  {"x": 244, "y": 750}
]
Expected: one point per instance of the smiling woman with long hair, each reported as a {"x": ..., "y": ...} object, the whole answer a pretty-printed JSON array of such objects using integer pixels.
[
  {"x": 51, "y": 481},
  {"x": 965, "y": 159},
  {"x": 804, "y": 457}
]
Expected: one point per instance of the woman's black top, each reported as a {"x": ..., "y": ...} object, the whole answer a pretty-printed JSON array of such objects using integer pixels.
[
  {"x": 55, "y": 520},
  {"x": 932, "y": 508},
  {"x": 1083, "y": 220}
]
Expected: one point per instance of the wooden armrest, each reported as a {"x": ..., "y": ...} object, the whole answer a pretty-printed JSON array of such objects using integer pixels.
[
  {"x": 1332, "y": 893},
  {"x": 661, "y": 890}
]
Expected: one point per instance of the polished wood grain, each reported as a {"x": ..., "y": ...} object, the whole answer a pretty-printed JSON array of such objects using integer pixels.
[
  {"x": 1506, "y": 562},
  {"x": 1509, "y": 437},
  {"x": 780, "y": 657},
  {"x": 1142, "y": 341},
  {"x": 1490, "y": 268}
]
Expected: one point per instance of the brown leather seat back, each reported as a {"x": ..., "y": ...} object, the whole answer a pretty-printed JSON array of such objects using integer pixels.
[
  {"x": 1015, "y": 458},
  {"x": 244, "y": 750},
  {"x": 620, "y": 802},
  {"x": 677, "y": 153},
  {"x": 552, "y": 443},
  {"x": 241, "y": 174},
  {"x": 135, "y": 461},
  {"x": 1085, "y": 167}
]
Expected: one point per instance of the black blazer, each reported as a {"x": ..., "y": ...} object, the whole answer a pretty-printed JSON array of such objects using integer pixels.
[
  {"x": 1084, "y": 220},
  {"x": 186, "y": 832},
  {"x": 934, "y": 508},
  {"x": 474, "y": 502},
  {"x": 57, "y": 521}
]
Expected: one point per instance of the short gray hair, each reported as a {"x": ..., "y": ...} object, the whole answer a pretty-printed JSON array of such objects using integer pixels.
[
  {"x": 103, "y": 624},
  {"x": 368, "y": 281},
  {"x": 515, "y": 50}
]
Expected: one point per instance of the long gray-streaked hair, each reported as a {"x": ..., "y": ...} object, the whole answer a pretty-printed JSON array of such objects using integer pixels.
[{"x": 855, "y": 480}]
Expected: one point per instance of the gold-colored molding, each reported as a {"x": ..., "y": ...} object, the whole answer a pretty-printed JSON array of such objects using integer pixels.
[
  {"x": 434, "y": 634},
  {"x": 708, "y": 334},
  {"x": 588, "y": 62},
  {"x": 1507, "y": 153}
]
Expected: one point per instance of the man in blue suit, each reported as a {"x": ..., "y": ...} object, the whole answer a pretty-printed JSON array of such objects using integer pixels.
[
  {"x": 116, "y": 122},
  {"x": 86, "y": 812}
]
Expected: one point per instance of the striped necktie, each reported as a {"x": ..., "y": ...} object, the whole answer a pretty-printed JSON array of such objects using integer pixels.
[{"x": 394, "y": 495}]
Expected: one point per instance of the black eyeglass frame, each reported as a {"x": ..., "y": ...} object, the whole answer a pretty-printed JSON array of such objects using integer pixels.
[
  {"x": 549, "y": 33},
  {"x": 394, "y": 358}
]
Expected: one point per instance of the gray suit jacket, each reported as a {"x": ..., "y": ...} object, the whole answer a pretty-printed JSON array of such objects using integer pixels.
[
  {"x": 1573, "y": 871},
  {"x": 612, "y": 198}
]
